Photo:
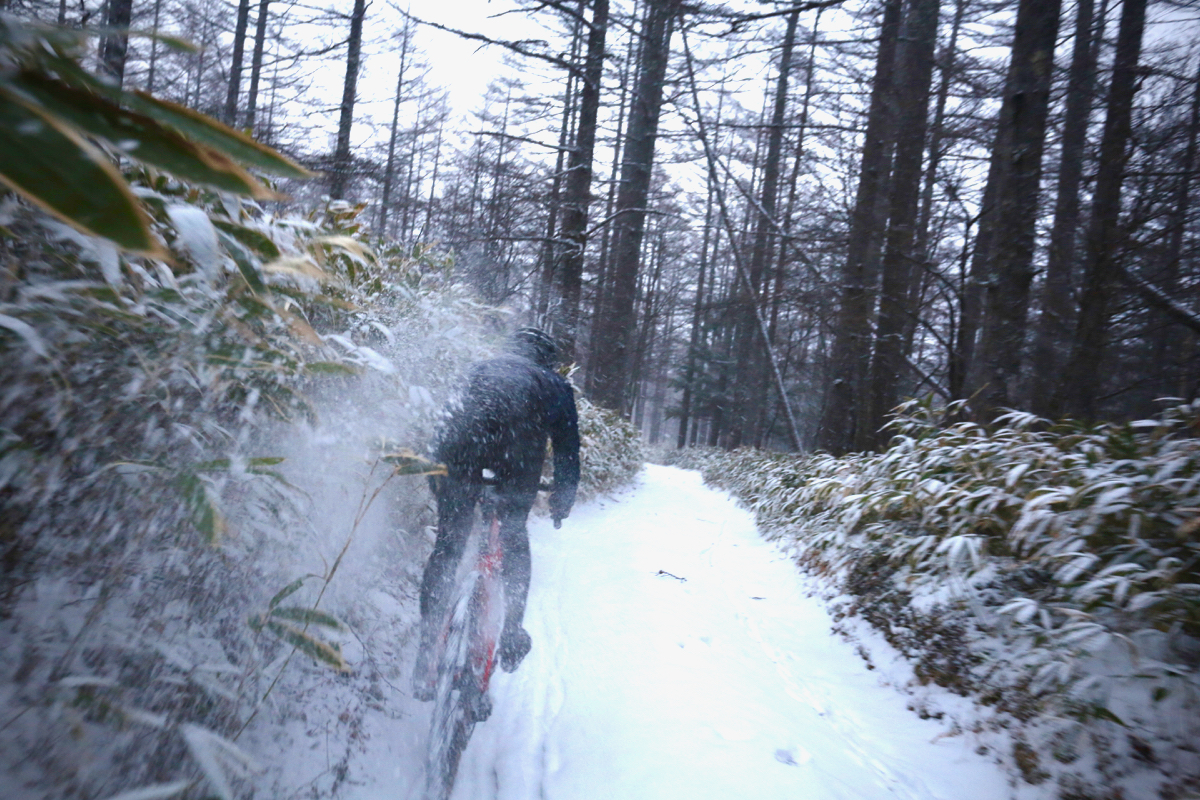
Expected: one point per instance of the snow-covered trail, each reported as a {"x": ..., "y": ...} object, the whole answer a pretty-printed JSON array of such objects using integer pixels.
[{"x": 677, "y": 655}]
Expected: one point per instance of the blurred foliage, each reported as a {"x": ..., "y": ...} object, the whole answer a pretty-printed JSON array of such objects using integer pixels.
[
  {"x": 61, "y": 128},
  {"x": 148, "y": 374}
]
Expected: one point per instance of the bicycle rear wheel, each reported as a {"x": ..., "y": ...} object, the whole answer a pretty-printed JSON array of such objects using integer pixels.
[
  {"x": 451, "y": 725},
  {"x": 458, "y": 701}
]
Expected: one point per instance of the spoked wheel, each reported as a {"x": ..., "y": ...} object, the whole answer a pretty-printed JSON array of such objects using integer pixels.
[
  {"x": 448, "y": 738},
  {"x": 456, "y": 707}
]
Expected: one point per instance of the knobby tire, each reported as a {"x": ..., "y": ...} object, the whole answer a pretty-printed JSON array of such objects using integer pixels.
[{"x": 453, "y": 709}]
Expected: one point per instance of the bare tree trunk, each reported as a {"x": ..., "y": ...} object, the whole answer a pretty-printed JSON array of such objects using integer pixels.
[
  {"x": 1053, "y": 330},
  {"x": 740, "y": 271},
  {"x": 389, "y": 171},
  {"x": 1010, "y": 268},
  {"x": 256, "y": 61},
  {"x": 600, "y": 300},
  {"x": 116, "y": 43},
  {"x": 577, "y": 197},
  {"x": 235, "y": 62},
  {"x": 153, "y": 47},
  {"x": 937, "y": 131},
  {"x": 850, "y": 360},
  {"x": 614, "y": 339},
  {"x": 1166, "y": 343},
  {"x": 689, "y": 374},
  {"x": 437, "y": 158},
  {"x": 914, "y": 69},
  {"x": 1104, "y": 238},
  {"x": 341, "y": 154},
  {"x": 751, "y": 381},
  {"x": 550, "y": 246}
]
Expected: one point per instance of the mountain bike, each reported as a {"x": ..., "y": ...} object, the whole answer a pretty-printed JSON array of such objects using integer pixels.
[{"x": 467, "y": 651}]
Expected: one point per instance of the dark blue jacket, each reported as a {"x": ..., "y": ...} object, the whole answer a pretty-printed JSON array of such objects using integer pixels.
[{"x": 501, "y": 422}]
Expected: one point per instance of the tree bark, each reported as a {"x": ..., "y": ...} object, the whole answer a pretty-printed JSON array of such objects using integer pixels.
[
  {"x": 850, "y": 360},
  {"x": 256, "y": 61},
  {"x": 1082, "y": 376},
  {"x": 153, "y": 47},
  {"x": 915, "y": 73},
  {"x": 614, "y": 338},
  {"x": 577, "y": 196},
  {"x": 341, "y": 154},
  {"x": 235, "y": 62},
  {"x": 600, "y": 297},
  {"x": 1010, "y": 268},
  {"x": 116, "y": 43},
  {"x": 551, "y": 246},
  {"x": 1054, "y": 322},
  {"x": 389, "y": 170},
  {"x": 1166, "y": 341},
  {"x": 751, "y": 381},
  {"x": 689, "y": 374}
]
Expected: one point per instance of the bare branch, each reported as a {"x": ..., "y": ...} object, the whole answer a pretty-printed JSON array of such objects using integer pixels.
[
  {"x": 1159, "y": 299},
  {"x": 737, "y": 21},
  {"x": 522, "y": 47}
]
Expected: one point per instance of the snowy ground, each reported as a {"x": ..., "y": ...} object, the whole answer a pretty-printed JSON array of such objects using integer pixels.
[{"x": 678, "y": 655}]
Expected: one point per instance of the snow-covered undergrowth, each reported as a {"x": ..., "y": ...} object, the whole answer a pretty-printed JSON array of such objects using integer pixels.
[
  {"x": 197, "y": 525},
  {"x": 1052, "y": 574}
]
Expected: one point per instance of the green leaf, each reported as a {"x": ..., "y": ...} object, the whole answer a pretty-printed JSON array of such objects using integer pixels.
[
  {"x": 174, "y": 42},
  {"x": 256, "y": 240},
  {"x": 265, "y": 461},
  {"x": 330, "y": 367},
  {"x": 206, "y": 514},
  {"x": 207, "y": 131},
  {"x": 242, "y": 259},
  {"x": 139, "y": 136},
  {"x": 406, "y": 462},
  {"x": 192, "y": 124},
  {"x": 308, "y": 616},
  {"x": 309, "y": 645},
  {"x": 1100, "y": 712},
  {"x": 42, "y": 158},
  {"x": 286, "y": 592}
]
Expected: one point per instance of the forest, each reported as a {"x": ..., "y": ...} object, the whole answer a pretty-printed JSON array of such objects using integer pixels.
[
  {"x": 915, "y": 281},
  {"x": 763, "y": 225}
]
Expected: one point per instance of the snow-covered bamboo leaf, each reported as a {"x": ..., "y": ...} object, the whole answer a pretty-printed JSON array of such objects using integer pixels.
[
  {"x": 286, "y": 592},
  {"x": 308, "y": 644},
  {"x": 308, "y": 616}
]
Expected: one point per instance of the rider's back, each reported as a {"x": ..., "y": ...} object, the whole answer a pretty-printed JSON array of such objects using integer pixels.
[{"x": 503, "y": 419}]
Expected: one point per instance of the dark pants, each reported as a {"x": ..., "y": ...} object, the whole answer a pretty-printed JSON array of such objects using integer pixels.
[{"x": 456, "y": 499}]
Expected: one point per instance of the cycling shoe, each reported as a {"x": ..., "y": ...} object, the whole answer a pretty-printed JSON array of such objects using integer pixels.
[{"x": 514, "y": 646}]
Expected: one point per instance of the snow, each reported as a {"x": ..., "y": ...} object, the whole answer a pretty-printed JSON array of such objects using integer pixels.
[
  {"x": 677, "y": 654},
  {"x": 196, "y": 238}
]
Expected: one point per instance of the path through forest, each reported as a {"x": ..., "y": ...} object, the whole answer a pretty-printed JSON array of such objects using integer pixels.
[{"x": 679, "y": 655}]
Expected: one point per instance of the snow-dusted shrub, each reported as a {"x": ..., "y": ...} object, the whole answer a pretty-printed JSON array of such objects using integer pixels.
[
  {"x": 146, "y": 409},
  {"x": 1053, "y": 572},
  {"x": 189, "y": 449},
  {"x": 610, "y": 451}
]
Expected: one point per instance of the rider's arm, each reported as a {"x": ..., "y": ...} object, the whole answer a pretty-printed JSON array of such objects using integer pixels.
[{"x": 564, "y": 437}]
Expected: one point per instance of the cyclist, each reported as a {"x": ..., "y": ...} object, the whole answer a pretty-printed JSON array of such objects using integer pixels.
[{"x": 501, "y": 422}]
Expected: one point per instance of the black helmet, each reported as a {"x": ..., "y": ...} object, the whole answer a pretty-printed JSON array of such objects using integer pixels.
[{"x": 536, "y": 345}]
